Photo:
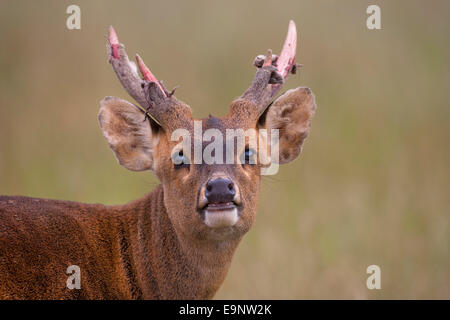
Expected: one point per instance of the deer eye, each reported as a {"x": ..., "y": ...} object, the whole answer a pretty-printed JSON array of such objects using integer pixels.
[
  {"x": 248, "y": 156},
  {"x": 180, "y": 160}
]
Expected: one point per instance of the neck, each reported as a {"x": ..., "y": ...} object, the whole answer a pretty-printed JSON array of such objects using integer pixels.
[{"x": 160, "y": 263}]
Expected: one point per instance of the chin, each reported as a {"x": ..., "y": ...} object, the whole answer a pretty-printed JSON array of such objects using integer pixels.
[
  {"x": 222, "y": 217},
  {"x": 225, "y": 223}
]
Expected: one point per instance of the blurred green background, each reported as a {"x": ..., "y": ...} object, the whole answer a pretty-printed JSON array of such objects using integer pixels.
[{"x": 371, "y": 187}]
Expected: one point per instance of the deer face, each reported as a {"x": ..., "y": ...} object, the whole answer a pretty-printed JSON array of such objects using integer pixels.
[{"x": 207, "y": 198}]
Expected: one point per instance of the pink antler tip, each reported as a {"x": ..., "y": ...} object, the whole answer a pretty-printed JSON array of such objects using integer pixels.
[
  {"x": 287, "y": 56},
  {"x": 114, "y": 41},
  {"x": 147, "y": 74}
]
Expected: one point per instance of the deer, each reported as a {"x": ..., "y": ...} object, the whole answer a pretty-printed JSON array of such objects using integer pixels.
[{"x": 178, "y": 241}]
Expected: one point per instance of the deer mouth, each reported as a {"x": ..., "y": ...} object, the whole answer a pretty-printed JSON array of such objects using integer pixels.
[
  {"x": 220, "y": 206},
  {"x": 220, "y": 214}
]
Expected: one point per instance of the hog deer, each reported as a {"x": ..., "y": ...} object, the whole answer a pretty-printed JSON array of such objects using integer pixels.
[{"x": 177, "y": 242}]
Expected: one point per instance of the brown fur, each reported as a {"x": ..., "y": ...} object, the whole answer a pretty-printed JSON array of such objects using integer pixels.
[{"x": 124, "y": 252}]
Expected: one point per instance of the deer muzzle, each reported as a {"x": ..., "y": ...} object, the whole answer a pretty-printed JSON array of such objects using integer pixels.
[{"x": 219, "y": 203}]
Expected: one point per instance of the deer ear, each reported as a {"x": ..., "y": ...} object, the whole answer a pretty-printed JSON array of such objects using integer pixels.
[
  {"x": 128, "y": 135},
  {"x": 291, "y": 114}
]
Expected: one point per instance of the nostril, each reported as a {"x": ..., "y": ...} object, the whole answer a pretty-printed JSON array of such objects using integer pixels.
[
  {"x": 231, "y": 186},
  {"x": 208, "y": 187}
]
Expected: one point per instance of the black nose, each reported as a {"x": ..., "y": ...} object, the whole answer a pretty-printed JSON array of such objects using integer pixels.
[{"x": 220, "y": 190}]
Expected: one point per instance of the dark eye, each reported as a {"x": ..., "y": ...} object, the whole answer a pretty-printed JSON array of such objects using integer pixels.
[
  {"x": 248, "y": 156},
  {"x": 180, "y": 160}
]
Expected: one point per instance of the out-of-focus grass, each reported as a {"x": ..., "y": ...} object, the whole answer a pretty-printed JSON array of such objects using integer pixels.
[{"x": 372, "y": 184}]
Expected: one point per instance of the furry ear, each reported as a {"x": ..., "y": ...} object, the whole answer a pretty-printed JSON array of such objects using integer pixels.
[
  {"x": 128, "y": 135},
  {"x": 291, "y": 114}
]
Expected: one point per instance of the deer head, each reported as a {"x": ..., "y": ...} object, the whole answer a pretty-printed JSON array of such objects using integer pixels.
[{"x": 205, "y": 201}]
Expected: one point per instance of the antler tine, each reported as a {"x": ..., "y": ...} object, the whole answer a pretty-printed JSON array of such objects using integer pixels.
[
  {"x": 125, "y": 69},
  {"x": 286, "y": 60},
  {"x": 148, "y": 75},
  {"x": 272, "y": 72}
]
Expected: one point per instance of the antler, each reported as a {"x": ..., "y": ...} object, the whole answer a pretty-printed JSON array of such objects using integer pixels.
[
  {"x": 148, "y": 92},
  {"x": 272, "y": 72}
]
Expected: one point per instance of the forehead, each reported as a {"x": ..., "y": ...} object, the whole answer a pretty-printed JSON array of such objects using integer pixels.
[
  {"x": 199, "y": 133},
  {"x": 207, "y": 129},
  {"x": 222, "y": 124}
]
